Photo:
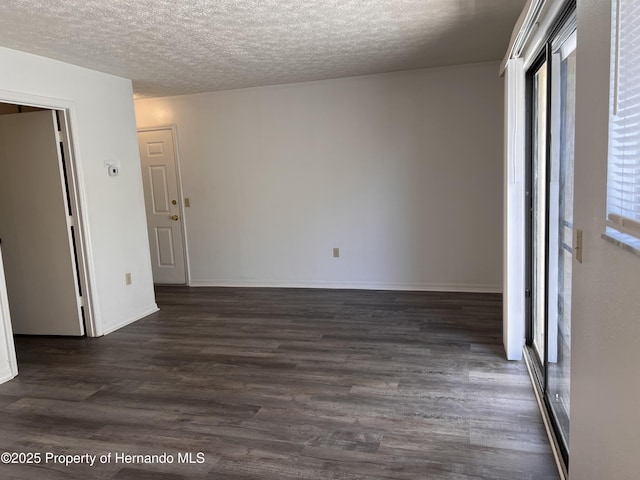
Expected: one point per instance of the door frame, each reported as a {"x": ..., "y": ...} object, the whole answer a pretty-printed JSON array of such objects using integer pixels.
[
  {"x": 84, "y": 251},
  {"x": 181, "y": 208},
  {"x": 565, "y": 21},
  {"x": 530, "y": 295}
]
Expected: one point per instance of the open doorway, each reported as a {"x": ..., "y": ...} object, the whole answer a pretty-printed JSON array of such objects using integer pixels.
[{"x": 40, "y": 225}]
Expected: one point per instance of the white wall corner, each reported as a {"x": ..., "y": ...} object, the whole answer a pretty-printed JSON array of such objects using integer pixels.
[{"x": 100, "y": 106}]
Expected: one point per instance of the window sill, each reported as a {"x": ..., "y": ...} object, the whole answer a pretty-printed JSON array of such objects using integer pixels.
[{"x": 623, "y": 240}]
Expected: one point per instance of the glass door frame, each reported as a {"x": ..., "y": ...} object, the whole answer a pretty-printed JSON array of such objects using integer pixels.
[
  {"x": 544, "y": 57},
  {"x": 539, "y": 366}
]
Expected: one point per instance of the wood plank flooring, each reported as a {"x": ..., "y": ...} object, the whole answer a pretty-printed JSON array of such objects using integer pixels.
[{"x": 278, "y": 384}]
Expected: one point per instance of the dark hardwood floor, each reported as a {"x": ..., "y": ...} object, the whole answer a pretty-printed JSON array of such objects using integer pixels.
[{"x": 278, "y": 384}]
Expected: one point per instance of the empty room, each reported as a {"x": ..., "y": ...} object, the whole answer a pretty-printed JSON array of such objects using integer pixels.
[{"x": 367, "y": 239}]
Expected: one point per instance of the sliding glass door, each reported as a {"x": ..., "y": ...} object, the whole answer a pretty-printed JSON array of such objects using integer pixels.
[
  {"x": 561, "y": 233},
  {"x": 551, "y": 82},
  {"x": 539, "y": 208}
]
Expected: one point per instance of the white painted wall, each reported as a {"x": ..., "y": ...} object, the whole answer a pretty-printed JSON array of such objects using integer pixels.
[
  {"x": 402, "y": 172},
  {"x": 103, "y": 122},
  {"x": 605, "y": 391}
]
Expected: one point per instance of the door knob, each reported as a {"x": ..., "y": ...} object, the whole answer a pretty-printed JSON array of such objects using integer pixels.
[{"x": 174, "y": 218}]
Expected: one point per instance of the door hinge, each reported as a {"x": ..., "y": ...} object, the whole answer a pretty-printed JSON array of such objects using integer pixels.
[{"x": 527, "y": 293}]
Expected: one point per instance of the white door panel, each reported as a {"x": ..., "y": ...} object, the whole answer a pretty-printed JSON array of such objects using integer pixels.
[
  {"x": 159, "y": 188},
  {"x": 38, "y": 253},
  {"x": 164, "y": 244},
  {"x": 162, "y": 201}
]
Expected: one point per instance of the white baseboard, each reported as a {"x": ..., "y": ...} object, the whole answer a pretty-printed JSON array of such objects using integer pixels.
[
  {"x": 134, "y": 318},
  {"x": 432, "y": 287}
]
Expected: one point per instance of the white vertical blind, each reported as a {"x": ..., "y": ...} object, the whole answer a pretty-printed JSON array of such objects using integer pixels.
[{"x": 623, "y": 184}]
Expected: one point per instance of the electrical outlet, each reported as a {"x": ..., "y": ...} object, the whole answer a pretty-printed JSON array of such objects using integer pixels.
[
  {"x": 127, "y": 278},
  {"x": 336, "y": 252}
]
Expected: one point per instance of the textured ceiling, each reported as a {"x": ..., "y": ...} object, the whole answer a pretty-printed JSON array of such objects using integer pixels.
[{"x": 174, "y": 47}]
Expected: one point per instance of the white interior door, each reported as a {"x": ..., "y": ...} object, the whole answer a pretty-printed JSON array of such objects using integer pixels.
[
  {"x": 162, "y": 200},
  {"x": 39, "y": 260}
]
